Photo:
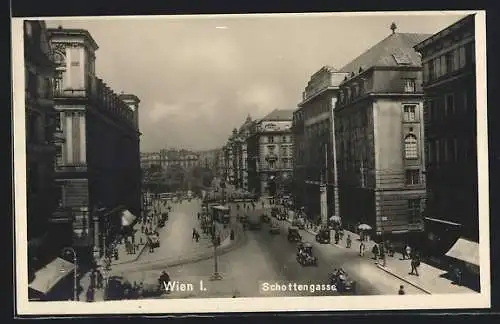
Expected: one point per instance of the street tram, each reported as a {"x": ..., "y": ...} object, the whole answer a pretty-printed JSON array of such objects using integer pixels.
[{"x": 220, "y": 213}]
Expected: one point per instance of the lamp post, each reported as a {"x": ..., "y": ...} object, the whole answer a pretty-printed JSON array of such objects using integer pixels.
[
  {"x": 216, "y": 275},
  {"x": 75, "y": 277}
]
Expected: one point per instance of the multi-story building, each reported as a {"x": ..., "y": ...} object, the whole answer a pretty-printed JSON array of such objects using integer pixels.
[
  {"x": 244, "y": 133},
  {"x": 208, "y": 159},
  {"x": 238, "y": 155},
  {"x": 380, "y": 136},
  {"x": 449, "y": 81},
  {"x": 314, "y": 167},
  {"x": 149, "y": 159},
  {"x": 40, "y": 154},
  {"x": 98, "y": 166},
  {"x": 183, "y": 158},
  {"x": 270, "y": 153}
]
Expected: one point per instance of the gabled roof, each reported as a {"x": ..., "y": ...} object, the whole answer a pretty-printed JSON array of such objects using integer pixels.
[
  {"x": 279, "y": 115},
  {"x": 395, "y": 50}
]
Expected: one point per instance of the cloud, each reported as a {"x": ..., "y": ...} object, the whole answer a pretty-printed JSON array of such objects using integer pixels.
[{"x": 197, "y": 82}]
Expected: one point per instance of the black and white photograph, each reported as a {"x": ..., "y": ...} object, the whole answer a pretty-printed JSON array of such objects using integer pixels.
[{"x": 250, "y": 163}]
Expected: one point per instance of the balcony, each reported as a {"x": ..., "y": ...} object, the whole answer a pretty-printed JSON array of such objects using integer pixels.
[
  {"x": 76, "y": 167},
  {"x": 61, "y": 216},
  {"x": 58, "y": 137},
  {"x": 69, "y": 93}
]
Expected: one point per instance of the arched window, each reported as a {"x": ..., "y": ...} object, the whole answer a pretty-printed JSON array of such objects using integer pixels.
[{"x": 411, "y": 147}]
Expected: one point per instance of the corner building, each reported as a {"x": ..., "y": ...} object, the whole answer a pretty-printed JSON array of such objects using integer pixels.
[
  {"x": 380, "y": 137},
  {"x": 314, "y": 145},
  {"x": 450, "y": 116},
  {"x": 98, "y": 166},
  {"x": 270, "y": 153}
]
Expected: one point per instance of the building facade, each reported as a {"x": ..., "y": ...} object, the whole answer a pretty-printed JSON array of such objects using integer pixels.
[
  {"x": 314, "y": 167},
  {"x": 98, "y": 165},
  {"x": 449, "y": 82},
  {"x": 208, "y": 159},
  {"x": 270, "y": 154},
  {"x": 237, "y": 152},
  {"x": 183, "y": 158},
  {"x": 380, "y": 136},
  {"x": 40, "y": 153},
  {"x": 149, "y": 159}
]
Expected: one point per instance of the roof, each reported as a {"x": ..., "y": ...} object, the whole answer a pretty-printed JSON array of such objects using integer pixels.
[
  {"x": 469, "y": 19},
  {"x": 395, "y": 50},
  {"x": 279, "y": 115},
  {"x": 60, "y": 31}
]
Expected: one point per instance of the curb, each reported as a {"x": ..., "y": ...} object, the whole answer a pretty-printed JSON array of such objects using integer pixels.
[
  {"x": 387, "y": 270},
  {"x": 238, "y": 242}
]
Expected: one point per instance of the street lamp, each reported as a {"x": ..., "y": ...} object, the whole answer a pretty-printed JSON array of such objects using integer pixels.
[
  {"x": 75, "y": 281},
  {"x": 216, "y": 275}
]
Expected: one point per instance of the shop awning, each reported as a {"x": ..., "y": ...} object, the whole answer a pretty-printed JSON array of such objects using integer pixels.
[
  {"x": 127, "y": 218},
  {"x": 465, "y": 250},
  {"x": 442, "y": 221},
  {"x": 47, "y": 277}
]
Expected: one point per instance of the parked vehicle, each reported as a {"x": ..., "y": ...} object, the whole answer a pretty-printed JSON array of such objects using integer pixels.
[
  {"x": 274, "y": 229},
  {"x": 294, "y": 235},
  {"x": 323, "y": 236},
  {"x": 305, "y": 256},
  {"x": 342, "y": 282},
  {"x": 299, "y": 222}
]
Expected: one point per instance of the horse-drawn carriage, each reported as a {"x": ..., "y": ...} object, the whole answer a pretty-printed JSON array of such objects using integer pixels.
[
  {"x": 294, "y": 235},
  {"x": 341, "y": 281},
  {"x": 305, "y": 256}
]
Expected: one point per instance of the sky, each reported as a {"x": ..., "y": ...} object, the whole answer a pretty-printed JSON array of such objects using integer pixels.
[{"x": 199, "y": 77}]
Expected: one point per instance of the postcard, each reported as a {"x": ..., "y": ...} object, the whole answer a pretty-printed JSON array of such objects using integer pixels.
[{"x": 250, "y": 163}]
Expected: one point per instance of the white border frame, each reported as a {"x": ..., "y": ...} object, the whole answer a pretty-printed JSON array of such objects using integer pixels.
[{"x": 277, "y": 304}]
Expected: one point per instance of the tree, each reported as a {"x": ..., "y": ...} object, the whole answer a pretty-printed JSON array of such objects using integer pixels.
[{"x": 175, "y": 177}]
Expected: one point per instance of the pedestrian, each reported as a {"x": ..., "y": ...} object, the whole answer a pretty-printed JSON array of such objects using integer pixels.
[
  {"x": 375, "y": 251},
  {"x": 341, "y": 233},
  {"x": 194, "y": 234},
  {"x": 362, "y": 248},
  {"x": 348, "y": 241},
  {"x": 382, "y": 255},
  {"x": 99, "y": 279},
  {"x": 407, "y": 252},
  {"x": 415, "y": 263},
  {"x": 401, "y": 290},
  {"x": 458, "y": 276},
  {"x": 337, "y": 237},
  {"x": 197, "y": 237},
  {"x": 90, "y": 294}
]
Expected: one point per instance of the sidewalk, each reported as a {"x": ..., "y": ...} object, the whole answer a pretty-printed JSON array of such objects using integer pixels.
[
  {"x": 430, "y": 279},
  {"x": 123, "y": 257}
]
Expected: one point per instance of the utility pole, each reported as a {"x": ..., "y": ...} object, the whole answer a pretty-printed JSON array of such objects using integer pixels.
[{"x": 324, "y": 190}]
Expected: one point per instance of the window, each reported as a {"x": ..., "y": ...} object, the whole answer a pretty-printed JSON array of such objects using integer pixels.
[
  {"x": 409, "y": 85},
  {"x": 284, "y": 139},
  {"x": 409, "y": 113},
  {"x": 456, "y": 59},
  {"x": 283, "y": 150},
  {"x": 271, "y": 139},
  {"x": 449, "y": 62},
  {"x": 413, "y": 177},
  {"x": 437, "y": 67},
  {"x": 443, "y": 65},
  {"x": 57, "y": 121},
  {"x": 414, "y": 210},
  {"x": 426, "y": 71},
  {"x": 272, "y": 164},
  {"x": 432, "y": 72},
  {"x": 461, "y": 54},
  {"x": 411, "y": 147},
  {"x": 450, "y": 105}
]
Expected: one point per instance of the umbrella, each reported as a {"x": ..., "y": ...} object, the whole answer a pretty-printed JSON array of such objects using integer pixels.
[
  {"x": 335, "y": 218},
  {"x": 127, "y": 218},
  {"x": 364, "y": 227}
]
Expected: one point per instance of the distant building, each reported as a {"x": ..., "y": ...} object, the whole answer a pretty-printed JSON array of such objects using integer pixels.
[
  {"x": 380, "y": 136},
  {"x": 314, "y": 147},
  {"x": 270, "y": 153},
  {"x": 208, "y": 158},
  {"x": 183, "y": 158},
  {"x": 450, "y": 127},
  {"x": 98, "y": 165},
  {"x": 148, "y": 159}
]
